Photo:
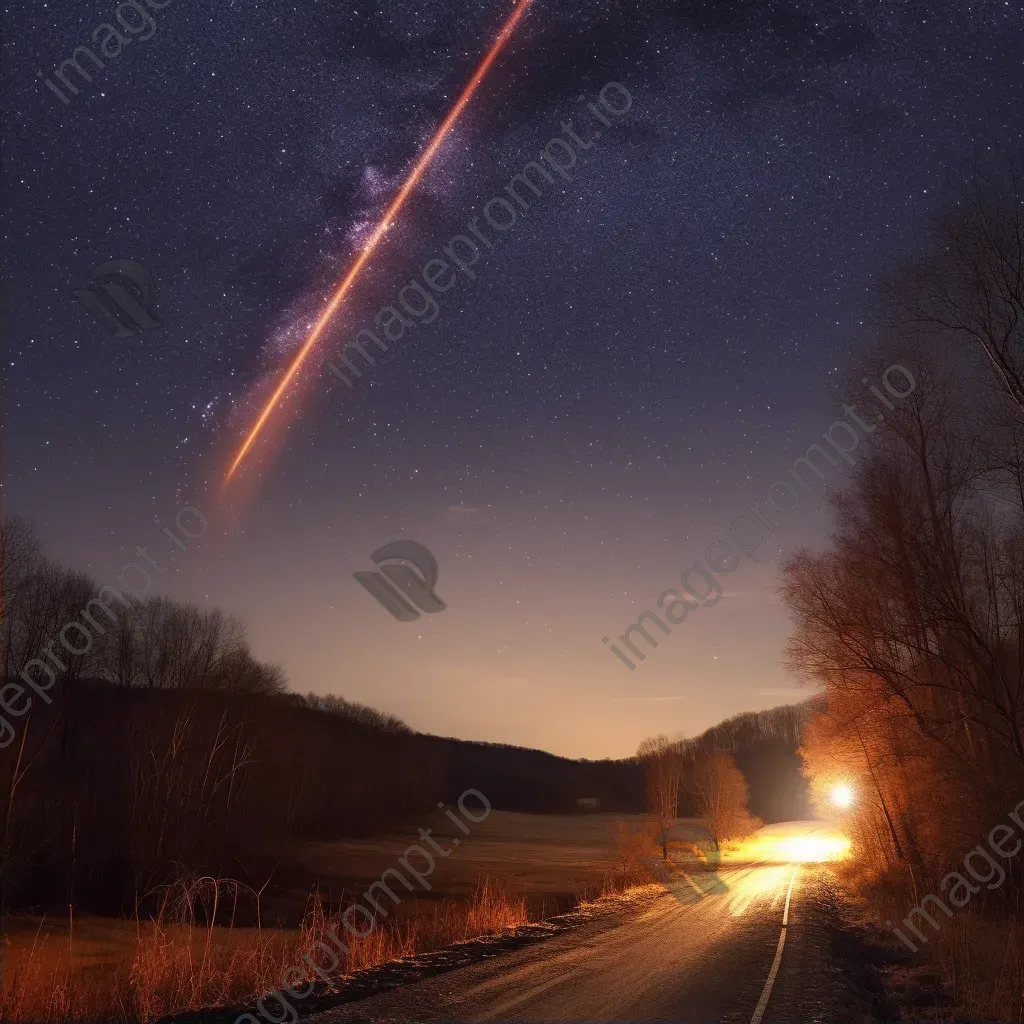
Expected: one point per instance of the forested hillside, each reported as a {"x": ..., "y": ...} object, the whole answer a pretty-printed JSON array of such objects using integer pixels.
[{"x": 765, "y": 746}]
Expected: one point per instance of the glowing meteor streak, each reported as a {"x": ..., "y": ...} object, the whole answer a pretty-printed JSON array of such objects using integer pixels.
[{"x": 381, "y": 229}]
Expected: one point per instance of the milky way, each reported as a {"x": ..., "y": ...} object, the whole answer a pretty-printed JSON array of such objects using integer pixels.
[{"x": 649, "y": 346}]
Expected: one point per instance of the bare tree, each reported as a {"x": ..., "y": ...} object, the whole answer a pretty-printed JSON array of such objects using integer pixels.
[
  {"x": 912, "y": 618},
  {"x": 663, "y": 778},
  {"x": 239, "y": 671},
  {"x": 922, "y": 593},
  {"x": 969, "y": 283},
  {"x": 720, "y": 793},
  {"x": 175, "y": 646},
  {"x": 20, "y": 555},
  {"x": 119, "y": 660},
  {"x": 630, "y": 842}
]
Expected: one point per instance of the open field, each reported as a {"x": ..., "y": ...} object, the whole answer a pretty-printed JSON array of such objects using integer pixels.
[
  {"x": 510, "y": 868},
  {"x": 556, "y": 856}
]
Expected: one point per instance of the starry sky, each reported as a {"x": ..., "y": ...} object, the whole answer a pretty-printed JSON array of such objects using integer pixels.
[{"x": 651, "y": 344}]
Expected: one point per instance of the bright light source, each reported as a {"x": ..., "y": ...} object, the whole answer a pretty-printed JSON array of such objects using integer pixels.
[{"x": 842, "y": 796}]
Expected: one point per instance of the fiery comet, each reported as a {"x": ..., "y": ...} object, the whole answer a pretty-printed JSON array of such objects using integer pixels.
[{"x": 380, "y": 230}]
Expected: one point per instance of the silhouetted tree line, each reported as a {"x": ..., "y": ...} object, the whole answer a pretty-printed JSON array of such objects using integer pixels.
[
  {"x": 520, "y": 779},
  {"x": 170, "y": 748},
  {"x": 693, "y": 777},
  {"x": 128, "y": 786},
  {"x": 155, "y": 642},
  {"x": 765, "y": 746}
]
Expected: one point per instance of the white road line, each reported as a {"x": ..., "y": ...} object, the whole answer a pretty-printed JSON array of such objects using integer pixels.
[
  {"x": 785, "y": 913},
  {"x": 762, "y": 1003}
]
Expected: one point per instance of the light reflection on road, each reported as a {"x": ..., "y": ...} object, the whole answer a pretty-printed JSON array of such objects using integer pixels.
[
  {"x": 771, "y": 879},
  {"x": 742, "y": 872},
  {"x": 791, "y": 842},
  {"x": 761, "y": 865}
]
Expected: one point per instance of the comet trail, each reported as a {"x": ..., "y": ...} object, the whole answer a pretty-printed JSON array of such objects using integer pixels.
[{"x": 386, "y": 222}]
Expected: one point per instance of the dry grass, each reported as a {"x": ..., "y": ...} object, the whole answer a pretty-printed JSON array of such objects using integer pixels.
[
  {"x": 181, "y": 960},
  {"x": 981, "y": 960},
  {"x": 139, "y": 970},
  {"x": 545, "y": 856},
  {"x": 978, "y": 953}
]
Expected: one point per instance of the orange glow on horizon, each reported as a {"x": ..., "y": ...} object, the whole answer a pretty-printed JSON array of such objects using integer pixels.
[{"x": 380, "y": 230}]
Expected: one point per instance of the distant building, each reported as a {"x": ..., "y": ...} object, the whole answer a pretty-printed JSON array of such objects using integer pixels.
[{"x": 588, "y": 803}]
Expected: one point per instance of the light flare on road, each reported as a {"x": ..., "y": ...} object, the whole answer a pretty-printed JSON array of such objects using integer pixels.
[
  {"x": 758, "y": 883},
  {"x": 782, "y": 847}
]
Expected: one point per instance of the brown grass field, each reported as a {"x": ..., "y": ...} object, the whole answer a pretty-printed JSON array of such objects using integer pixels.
[
  {"x": 510, "y": 869},
  {"x": 542, "y": 856}
]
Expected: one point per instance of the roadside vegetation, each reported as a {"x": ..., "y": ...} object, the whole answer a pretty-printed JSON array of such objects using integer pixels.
[
  {"x": 208, "y": 942},
  {"x": 733, "y": 777},
  {"x": 911, "y": 617},
  {"x": 170, "y": 754},
  {"x": 685, "y": 782},
  {"x": 191, "y": 955}
]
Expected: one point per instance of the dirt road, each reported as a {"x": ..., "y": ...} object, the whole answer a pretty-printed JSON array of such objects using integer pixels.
[{"x": 759, "y": 951}]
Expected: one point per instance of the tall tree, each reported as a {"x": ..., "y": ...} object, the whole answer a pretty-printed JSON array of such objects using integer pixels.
[
  {"x": 720, "y": 793},
  {"x": 663, "y": 778},
  {"x": 968, "y": 283}
]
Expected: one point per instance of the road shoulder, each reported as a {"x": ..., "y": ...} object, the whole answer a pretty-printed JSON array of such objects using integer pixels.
[{"x": 833, "y": 968}]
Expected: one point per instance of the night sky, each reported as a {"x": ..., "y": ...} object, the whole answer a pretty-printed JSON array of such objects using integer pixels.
[{"x": 649, "y": 346}]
